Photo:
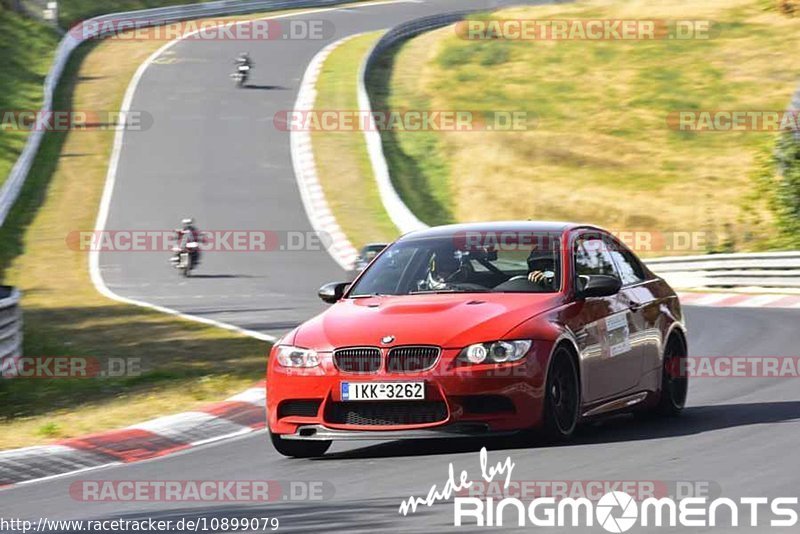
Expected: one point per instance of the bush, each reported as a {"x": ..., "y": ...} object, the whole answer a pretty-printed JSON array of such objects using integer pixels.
[{"x": 790, "y": 8}]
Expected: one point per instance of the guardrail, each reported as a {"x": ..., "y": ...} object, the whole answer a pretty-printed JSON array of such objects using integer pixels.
[
  {"x": 765, "y": 269},
  {"x": 402, "y": 217},
  {"x": 10, "y": 327},
  {"x": 97, "y": 27}
]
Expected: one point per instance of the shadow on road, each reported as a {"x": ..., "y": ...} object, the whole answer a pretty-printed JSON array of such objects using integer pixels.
[
  {"x": 266, "y": 87},
  {"x": 695, "y": 420},
  {"x": 220, "y": 276}
]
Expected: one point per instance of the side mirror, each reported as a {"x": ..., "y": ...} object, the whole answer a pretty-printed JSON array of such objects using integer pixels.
[
  {"x": 332, "y": 293},
  {"x": 599, "y": 285}
]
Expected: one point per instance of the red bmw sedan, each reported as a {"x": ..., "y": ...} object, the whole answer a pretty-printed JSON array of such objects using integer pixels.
[{"x": 477, "y": 329}]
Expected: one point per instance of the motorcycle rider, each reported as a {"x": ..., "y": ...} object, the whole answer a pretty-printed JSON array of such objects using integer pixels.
[
  {"x": 243, "y": 60},
  {"x": 188, "y": 233}
]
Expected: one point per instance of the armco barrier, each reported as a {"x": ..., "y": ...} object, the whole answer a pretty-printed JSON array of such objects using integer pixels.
[
  {"x": 402, "y": 217},
  {"x": 766, "y": 269},
  {"x": 146, "y": 17},
  {"x": 10, "y": 326}
]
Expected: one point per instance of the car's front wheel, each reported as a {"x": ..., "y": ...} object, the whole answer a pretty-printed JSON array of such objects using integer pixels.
[
  {"x": 299, "y": 448},
  {"x": 562, "y": 397}
]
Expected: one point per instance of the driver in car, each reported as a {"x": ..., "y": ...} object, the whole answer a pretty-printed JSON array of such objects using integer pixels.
[{"x": 541, "y": 268}]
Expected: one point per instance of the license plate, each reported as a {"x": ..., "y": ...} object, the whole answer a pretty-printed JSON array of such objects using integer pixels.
[{"x": 366, "y": 391}]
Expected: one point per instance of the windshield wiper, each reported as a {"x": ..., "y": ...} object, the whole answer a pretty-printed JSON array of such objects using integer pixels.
[
  {"x": 435, "y": 291},
  {"x": 367, "y": 295}
]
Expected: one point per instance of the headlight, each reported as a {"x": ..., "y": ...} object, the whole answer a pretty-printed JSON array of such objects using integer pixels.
[
  {"x": 289, "y": 356},
  {"x": 497, "y": 352}
]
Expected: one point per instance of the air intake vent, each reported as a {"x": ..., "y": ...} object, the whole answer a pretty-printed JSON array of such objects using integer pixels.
[{"x": 302, "y": 408}]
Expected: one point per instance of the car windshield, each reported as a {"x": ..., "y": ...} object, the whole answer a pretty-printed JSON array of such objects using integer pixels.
[{"x": 449, "y": 265}]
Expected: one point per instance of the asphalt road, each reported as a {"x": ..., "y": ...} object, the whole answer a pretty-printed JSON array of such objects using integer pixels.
[
  {"x": 737, "y": 436},
  {"x": 215, "y": 155}
]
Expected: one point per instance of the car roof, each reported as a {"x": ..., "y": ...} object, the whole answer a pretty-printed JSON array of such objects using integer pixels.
[{"x": 496, "y": 226}]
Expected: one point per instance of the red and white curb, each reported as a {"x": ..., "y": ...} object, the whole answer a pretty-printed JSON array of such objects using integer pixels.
[
  {"x": 305, "y": 168},
  {"x": 739, "y": 300},
  {"x": 240, "y": 414}
]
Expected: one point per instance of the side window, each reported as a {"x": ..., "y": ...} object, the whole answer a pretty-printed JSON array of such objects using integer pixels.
[
  {"x": 630, "y": 269},
  {"x": 592, "y": 257}
]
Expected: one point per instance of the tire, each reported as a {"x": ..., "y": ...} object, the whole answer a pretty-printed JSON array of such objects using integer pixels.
[
  {"x": 299, "y": 448},
  {"x": 674, "y": 382},
  {"x": 185, "y": 264},
  {"x": 562, "y": 397}
]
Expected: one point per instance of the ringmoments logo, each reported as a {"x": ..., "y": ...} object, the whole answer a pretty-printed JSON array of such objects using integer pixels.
[
  {"x": 615, "y": 511},
  {"x": 618, "y": 511}
]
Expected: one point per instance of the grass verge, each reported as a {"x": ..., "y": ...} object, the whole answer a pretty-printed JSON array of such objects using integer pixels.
[
  {"x": 26, "y": 51},
  {"x": 343, "y": 165},
  {"x": 74, "y": 11},
  {"x": 183, "y": 364},
  {"x": 600, "y": 150}
]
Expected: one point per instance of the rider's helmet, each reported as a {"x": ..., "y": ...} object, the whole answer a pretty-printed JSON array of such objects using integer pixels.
[{"x": 186, "y": 223}]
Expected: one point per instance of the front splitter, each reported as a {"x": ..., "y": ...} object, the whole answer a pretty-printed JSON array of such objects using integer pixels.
[{"x": 323, "y": 433}]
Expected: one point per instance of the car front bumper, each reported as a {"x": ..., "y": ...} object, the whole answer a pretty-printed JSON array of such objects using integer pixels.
[{"x": 469, "y": 400}]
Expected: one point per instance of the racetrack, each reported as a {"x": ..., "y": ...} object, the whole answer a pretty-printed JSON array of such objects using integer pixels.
[{"x": 213, "y": 153}]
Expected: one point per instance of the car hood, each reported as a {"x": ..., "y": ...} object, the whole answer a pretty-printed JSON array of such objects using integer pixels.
[{"x": 450, "y": 321}]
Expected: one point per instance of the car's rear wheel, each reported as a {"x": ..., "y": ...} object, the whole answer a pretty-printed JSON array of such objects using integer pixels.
[
  {"x": 562, "y": 397},
  {"x": 674, "y": 382},
  {"x": 299, "y": 448}
]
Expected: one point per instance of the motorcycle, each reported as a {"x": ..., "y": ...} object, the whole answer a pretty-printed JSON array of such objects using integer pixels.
[
  {"x": 184, "y": 258},
  {"x": 241, "y": 75}
]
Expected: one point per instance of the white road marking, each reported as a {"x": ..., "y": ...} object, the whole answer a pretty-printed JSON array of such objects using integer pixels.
[{"x": 108, "y": 190}]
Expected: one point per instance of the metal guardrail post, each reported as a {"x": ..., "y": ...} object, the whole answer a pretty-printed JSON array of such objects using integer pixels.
[{"x": 10, "y": 329}]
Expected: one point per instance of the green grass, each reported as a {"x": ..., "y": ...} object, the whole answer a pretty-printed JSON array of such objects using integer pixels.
[
  {"x": 343, "y": 165},
  {"x": 183, "y": 363},
  {"x": 26, "y": 50},
  {"x": 600, "y": 150},
  {"x": 74, "y": 11},
  {"x": 419, "y": 168}
]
